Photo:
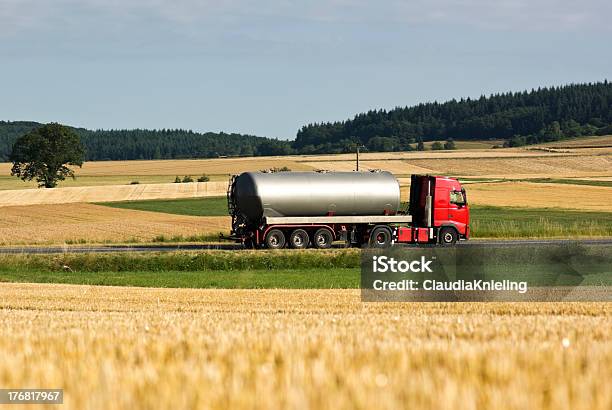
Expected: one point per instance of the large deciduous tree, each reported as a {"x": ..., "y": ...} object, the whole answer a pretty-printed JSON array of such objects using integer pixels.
[{"x": 45, "y": 153}]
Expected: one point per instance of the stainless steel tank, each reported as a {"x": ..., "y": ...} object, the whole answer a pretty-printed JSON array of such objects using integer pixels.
[{"x": 257, "y": 194}]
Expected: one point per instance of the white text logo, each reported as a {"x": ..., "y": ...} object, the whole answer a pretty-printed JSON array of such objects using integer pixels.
[{"x": 384, "y": 264}]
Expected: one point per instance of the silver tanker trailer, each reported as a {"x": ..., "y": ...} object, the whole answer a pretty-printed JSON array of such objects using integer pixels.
[{"x": 317, "y": 208}]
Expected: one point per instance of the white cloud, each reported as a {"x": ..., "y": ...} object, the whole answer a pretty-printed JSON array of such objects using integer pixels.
[{"x": 19, "y": 15}]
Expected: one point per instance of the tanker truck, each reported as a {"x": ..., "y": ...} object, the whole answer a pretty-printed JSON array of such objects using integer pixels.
[{"x": 303, "y": 209}]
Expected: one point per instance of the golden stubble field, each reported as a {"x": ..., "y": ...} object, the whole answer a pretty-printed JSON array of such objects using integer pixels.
[
  {"x": 111, "y": 193},
  {"x": 581, "y": 157},
  {"x": 586, "y": 164},
  {"x": 76, "y": 223},
  {"x": 131, "y": 348},
  {"x": 524, "y": 194}
]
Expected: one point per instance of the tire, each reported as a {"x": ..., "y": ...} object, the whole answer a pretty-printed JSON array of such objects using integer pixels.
[
  {"x": 323, "y": 238},
  {"x": 447, "y": 236},
  {"x": 381, "y": 237},
  {"x": 275, "y": 239},
  {"x": 299, "y": 239}
]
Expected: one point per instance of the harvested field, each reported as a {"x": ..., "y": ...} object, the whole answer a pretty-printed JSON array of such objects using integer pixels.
[
  {"x": 181, "y": 167},
  {"x": 541, "y": 167},
  {"x": 501, "y": 167},
  {"x": 541, "y": 195},
  {"x": 474, "y": 153},
  {"x": 602, "y": 141},
  {"x": 111, "y": 193},
  {"x": 295, "y": 162},
  {"x": 395, "y": 167},
  {"x": 8, "y": 182},
  {"x": 507, "y": 163},
  {"x": 168, "y": 348},
  {"x": 76, "y": 223}
]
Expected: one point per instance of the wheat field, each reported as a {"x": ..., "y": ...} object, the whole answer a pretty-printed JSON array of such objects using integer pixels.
[
  {"x": 181, "y": 167},
  {"x": 523, "y": 167},
  {"x": 523, "y": 194},
  {"x": 138, "y": 348},
  {"x": 78, "y": 223},
  {"x": 493, "y": 161},
  {"x": 600, "y": 141},
  {"x": 501, "y": 167},
  {"x": 111, "y": 193}
]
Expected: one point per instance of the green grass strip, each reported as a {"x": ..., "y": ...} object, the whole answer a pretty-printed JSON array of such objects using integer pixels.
[
  {"x": 506, "y": 223},
  {"x": 213, "y": 206},
  {"x": 183, "y": 261},
  {"x": 336, "y": 278}
]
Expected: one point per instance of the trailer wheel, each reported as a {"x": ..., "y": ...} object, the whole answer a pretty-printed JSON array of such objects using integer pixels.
[
  {"x": 299, "y": 239},
  {"x": 447, "y": 236},
  {"x": 275, "y": 239},
  {"x": 323, "y": 238},
  {"x": 381, "y": 237}
]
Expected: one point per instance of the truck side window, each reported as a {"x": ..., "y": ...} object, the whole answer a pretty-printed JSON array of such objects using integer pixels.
[{"x": 456, "y": 197}]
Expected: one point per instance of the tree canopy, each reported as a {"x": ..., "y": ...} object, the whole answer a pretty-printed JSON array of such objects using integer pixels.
[{"x": 45, "y": 153}]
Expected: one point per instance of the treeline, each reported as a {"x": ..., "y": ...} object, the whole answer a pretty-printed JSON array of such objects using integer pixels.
[
  {"x": 103, "y": 145},
  {"x": 529, "y": 117},
  {"x": 9, "y": 132},
  {"x": 168, "y": 144}
]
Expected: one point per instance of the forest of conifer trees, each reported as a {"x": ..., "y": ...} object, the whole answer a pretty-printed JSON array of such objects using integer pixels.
[{"x": 528, "y": 117}]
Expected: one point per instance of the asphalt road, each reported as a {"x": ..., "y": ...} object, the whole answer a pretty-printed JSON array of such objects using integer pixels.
[{"x": 231, "y": 246}]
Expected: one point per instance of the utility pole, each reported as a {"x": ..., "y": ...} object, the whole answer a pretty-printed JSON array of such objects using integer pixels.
[{"x": 357, "y": 160}]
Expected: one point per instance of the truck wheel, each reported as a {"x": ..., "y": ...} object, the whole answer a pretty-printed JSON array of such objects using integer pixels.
[
  {"x": 299, "y": 239},
  {"x": 381, "y": 237},
  {"x": 448, "y": 236},
  {"x": 323, "y": 238},
  {"x": 275, "y": 239}
]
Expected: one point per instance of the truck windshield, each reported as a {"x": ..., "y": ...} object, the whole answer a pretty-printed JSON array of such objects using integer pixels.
[{"x": 457, "y": 198}]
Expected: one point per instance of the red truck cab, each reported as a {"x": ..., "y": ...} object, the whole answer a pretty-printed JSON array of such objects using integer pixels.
[{"x": 439, "y": 210}]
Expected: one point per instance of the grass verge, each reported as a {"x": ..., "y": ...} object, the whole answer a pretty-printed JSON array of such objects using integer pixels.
[
  {"x": 507, "y": 223},
  {"x": 569, "y": 181},
  {"x": 296, "y": 270},
  {"x": 183, "y": 261},
  {"x": 336, "y": 278},
  {"x": 219, "y": 269}
]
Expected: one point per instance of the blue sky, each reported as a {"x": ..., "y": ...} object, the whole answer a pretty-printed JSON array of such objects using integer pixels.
[{"x": 268, "y": 67}]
